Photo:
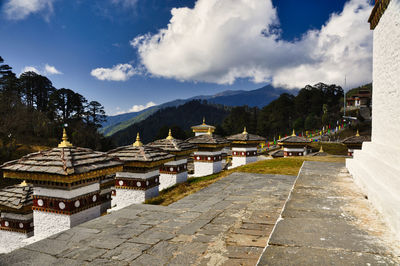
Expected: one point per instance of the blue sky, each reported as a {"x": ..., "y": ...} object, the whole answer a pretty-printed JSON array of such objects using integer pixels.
[{"x": 129, "y": 53}]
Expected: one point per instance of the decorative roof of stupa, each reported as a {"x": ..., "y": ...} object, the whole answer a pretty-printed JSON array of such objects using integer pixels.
[
  {"x": 357, "y": 139},
  {"x": 63, "y": 161},
  {"x": 173, "y": 145},
  {"x": 139, "y": 153},
  {"x": 293, "y": 139},
  {"x": 16, "y": 197},
  {"x": 203, "y": 127},
  {"x": 209, "y": 139},
  {"x": 245, "y": 137}
]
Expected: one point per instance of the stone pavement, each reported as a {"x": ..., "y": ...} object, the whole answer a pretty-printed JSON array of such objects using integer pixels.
[
  {"x": 227, "y": 223},
  {"x": 328, "y": 221}
]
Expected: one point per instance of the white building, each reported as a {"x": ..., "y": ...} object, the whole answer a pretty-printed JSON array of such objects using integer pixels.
[
  {"x": 244, "y": 148},
  {"x": 208, "y": 158},
  {"x": 294, "y": 145},
  {"x": 376, "y": 168},
  {"x": 175, "y": 171},
  {"x": 66, "y": 185},
  {"x": 140, "y": 178},
  {"x": 16, "y": 221}
]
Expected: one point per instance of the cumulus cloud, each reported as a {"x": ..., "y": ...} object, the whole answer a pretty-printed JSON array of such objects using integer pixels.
[
  {"x": 136, "y": 108},
  {"x": 51, "y": 70},
  {"x": 30, "y": 69},
  {"x": 20, "y": 9},
  {"x": 207, "y": 43},
  {"x": 120, "y": 72},
  {"x": 47, "y": 70}
]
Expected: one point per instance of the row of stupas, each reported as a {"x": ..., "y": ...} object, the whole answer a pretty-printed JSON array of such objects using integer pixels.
[{"x": 68, "y": 185}]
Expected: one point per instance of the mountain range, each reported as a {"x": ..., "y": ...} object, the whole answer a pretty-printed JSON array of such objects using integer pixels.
[{"x": 259, "y": 97}]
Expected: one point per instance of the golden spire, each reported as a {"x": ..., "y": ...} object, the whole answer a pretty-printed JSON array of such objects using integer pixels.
[
  {"x": 137, "y": 143},
  {"x": 204, "y": 120},
  {"x": 294, "y": 133},
  {"x": 358, "y": 133},
  {"x": 64, "y": 143},
  {"x": 23, "y": 184},
  {"x": 320, "y": 149},
  {"x": 244, "y": 131},
  {"x": 170, "y": 135},
  {"x": 209, "y": 131}
]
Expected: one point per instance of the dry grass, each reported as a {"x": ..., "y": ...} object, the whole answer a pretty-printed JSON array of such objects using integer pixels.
[
  {"x": 280, "y": 166},
  {"x": 331, "y": 148}
]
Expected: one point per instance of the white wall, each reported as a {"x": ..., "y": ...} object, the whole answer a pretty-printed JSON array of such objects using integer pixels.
[
  {"x": 126, "y": 197},
  {"x": 47, "y": 224},
  {"x": 206, "y": 168},
  {"x": 10, "y": 241},
  {"x": 168, "y": 180},
  {"x": 376, "y": 168},
  {"x": 65, "y": 194}
]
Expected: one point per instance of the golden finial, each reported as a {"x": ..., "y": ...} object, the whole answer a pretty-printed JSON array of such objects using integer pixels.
[
  {"x": 64, "y": 143},
  {"x": 204, "y": 120},
  {"x": 137, "y": 143},
  {"x": 23, "y": 184},
  {"x": 320, "y": 149},
  {"x": 294, "y": 133},
  {"x": 209, "y": 131},
  {"x": 170, "y": 135},
  {"x": 358, "y": 133},
  {"x": 244, "y": 131},
  {"x": 279, "y": 137}
]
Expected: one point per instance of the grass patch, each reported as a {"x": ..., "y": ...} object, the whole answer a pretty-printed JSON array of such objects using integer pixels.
[
  {"x": 280, "y": 166},
  {"x": 331, "y": 148}
]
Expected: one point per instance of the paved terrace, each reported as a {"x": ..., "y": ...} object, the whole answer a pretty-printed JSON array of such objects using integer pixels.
[
  {"x": 228, "y": 223},
  {"x": 326, "y": 221}
]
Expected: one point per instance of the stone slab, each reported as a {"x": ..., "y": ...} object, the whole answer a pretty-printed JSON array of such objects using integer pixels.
[{"x": 328, "y": 221}]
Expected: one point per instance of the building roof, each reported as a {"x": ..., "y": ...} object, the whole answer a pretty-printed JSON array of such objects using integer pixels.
[
  {"x": 16, "y": 197},
  {"x": 377, "y": 12},
  {"x": 209, "y": 139},
  {"x": 293, "y": 139},
  {"x": 170, "y": 144},
  {"x": 203, "y": 127},
  {"x": 357, "y": 139},
  {"x": 62, "y": 161},
  {"x": 276, "y": 154},
  {"x": 137, "y": 152},
  {"x": 65, "y": 164},
  {"x": 246, "y": 137}
]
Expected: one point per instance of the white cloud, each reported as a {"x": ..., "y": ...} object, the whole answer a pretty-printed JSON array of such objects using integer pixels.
[
  {"x": 120, "y": 72},
  {"x": 138, "y": 108},
  {"x": 135, "y": 108},
  {"x": 209, "y": 44},
  {"x": 30, "y": 69},
  {"x": 20, "y": 9},
  {"x": 51, "y": 70}
]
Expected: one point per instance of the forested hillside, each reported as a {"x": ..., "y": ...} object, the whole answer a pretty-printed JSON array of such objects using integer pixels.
[
  {"x": 313, "y": 107},
  {"x": 180, "y": 119},
  {"x": 33, "y": 112}
]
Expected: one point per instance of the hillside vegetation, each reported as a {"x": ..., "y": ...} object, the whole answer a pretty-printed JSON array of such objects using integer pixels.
[
  {"x": 253, "y": 98},
  {"x": 180, "y": 119},
  {"x": 33, "y": 112},
  {"x": 313, "y": 107}
]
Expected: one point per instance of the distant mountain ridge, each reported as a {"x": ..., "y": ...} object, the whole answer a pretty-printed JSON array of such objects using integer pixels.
[{"x": 259, "y": 97}]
